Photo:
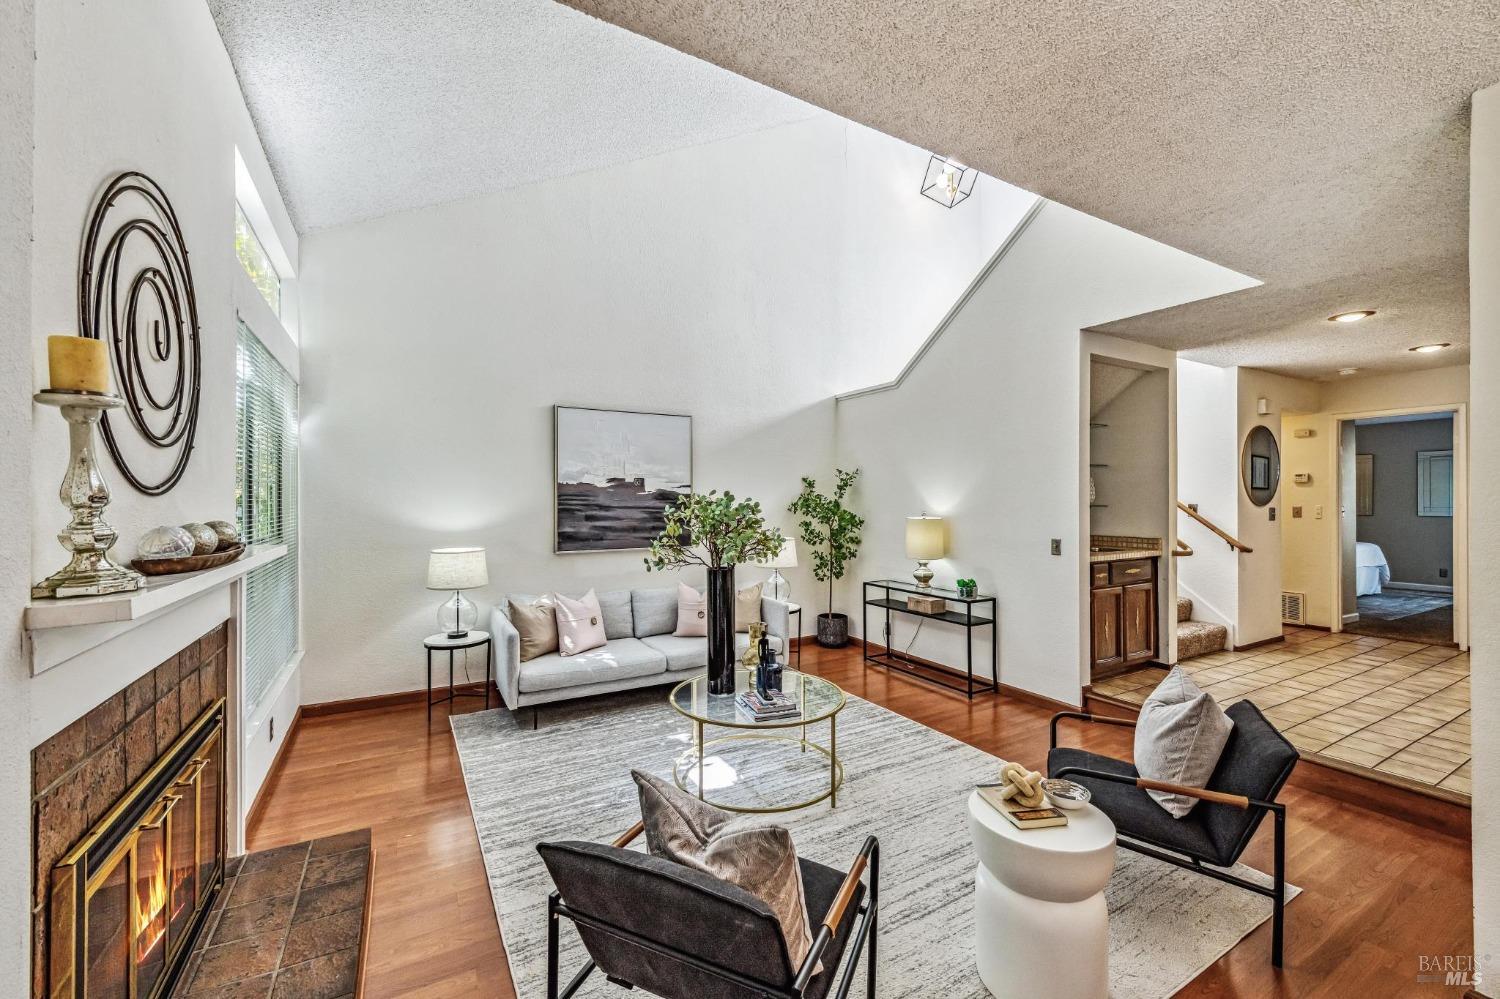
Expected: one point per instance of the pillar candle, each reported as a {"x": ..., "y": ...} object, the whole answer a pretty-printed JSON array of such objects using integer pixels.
[{"x": 77, "y": 364}]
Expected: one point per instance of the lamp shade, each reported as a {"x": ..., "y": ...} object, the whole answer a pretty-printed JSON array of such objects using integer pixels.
[
  {"x": 787, "y": 557},
  {"x": 924, "y": 538},
  {"x": 457, "y": 569}
]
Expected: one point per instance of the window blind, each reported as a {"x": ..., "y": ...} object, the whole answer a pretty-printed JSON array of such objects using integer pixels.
[{"x": 266, "y": 467}]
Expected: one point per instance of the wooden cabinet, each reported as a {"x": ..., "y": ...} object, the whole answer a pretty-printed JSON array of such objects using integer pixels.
[{"x": 1122, "y": 601}]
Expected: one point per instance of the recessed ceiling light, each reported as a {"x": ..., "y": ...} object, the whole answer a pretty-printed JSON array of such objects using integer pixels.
[
  {"x": 1351, "y": 317},
  {"x": 1348, "y": 371},
  {"x": 1429, "y": 348}
]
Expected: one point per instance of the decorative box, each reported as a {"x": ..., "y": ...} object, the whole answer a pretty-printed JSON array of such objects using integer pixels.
[{"x": 926, "y": 605}]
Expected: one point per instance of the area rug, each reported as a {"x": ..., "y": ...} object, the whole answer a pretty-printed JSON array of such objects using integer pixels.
[
  {"x": 904, "y": 782},
  {"x": 1393, "y": 605}
]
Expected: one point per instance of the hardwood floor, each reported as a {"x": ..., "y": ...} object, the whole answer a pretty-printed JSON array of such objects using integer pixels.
[{"x": 1378, "y": 891}]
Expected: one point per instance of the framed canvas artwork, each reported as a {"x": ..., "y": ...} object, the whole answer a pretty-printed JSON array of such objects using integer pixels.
[{"x": 616, "y": 472}]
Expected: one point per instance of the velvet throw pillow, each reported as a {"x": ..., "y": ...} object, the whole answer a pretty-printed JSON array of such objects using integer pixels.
[
  {"x": 536, "y": 623},
  {"x": 692, "y": 612},
  {"x": 758, "y": 858},
  {"x": 1179, "y": 737},
  {"x": 580, "y": 624},
  {"x": 747, "y": 607}
]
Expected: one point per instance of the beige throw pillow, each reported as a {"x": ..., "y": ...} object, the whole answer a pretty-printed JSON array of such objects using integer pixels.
[
  {"x": 1179, "y": 738},
  {"x": 758, "y": 858},
  {"x": 580, "y": 624},
  {"x": 537, "y": 625},
  {"x": 692, "y": 612},
  {"x": 747, "y": 607}
]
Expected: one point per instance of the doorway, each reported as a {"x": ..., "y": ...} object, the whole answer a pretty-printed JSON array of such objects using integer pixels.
[{"x": 1399, "y": 526}]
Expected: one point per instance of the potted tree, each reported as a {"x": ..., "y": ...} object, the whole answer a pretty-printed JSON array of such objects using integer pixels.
[
  {"x": 716, "y": 532},
  {"x": 831, "y": 532}
]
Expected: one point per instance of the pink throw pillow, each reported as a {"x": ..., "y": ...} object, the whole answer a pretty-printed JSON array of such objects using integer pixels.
[
  {"x": 692, "y": 612},
  {"x": 580, "y": 624}
]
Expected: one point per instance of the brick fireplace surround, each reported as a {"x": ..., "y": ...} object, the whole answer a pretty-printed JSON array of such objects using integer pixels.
[{"x": 81, "y": 771}]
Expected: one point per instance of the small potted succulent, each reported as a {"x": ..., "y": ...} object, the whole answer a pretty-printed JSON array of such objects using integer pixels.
[{"x": 967, "y": 588}]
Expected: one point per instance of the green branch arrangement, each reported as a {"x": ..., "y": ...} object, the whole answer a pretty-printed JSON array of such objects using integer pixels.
[
  {"x": 829, "y": 529},
  {"x": 711, "y": 530}
]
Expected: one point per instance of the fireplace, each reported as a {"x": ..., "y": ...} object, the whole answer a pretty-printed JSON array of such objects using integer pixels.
[{"x": 126, "y": 901}]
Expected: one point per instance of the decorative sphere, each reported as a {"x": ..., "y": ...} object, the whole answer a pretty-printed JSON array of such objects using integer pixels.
[
  {"x": 165, "y": 542},
  {"x": 205, "y": 538},
  {"x": 229, "y": 535}
]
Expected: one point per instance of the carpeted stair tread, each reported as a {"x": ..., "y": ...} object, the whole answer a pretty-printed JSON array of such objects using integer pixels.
[
  {"x": 1199, "y": 638},
  {"x": 1184, "y": 609}
]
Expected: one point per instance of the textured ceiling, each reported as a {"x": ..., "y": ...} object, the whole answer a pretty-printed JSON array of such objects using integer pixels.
[
  {"x": 1107, "y": 382},
  {"x": 367, "y": 107},
  {"x": 1320, "y": 147}
]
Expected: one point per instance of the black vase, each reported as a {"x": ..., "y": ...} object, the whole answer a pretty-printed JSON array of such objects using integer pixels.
[{"x": 721, "y": 657}]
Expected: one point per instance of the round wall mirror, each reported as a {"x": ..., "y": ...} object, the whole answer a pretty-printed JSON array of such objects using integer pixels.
[{"x": 1260, "y": 466}]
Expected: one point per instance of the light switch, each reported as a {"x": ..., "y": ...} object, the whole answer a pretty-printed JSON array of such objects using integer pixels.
[
  {"x": 1318, "y": 512},
  {"x": 1296, "y": 513},
  {"x": 1057, "y": 546}
]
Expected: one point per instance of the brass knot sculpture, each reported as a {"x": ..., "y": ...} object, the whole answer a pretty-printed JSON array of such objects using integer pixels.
[{"x": 1022, "y": 786}]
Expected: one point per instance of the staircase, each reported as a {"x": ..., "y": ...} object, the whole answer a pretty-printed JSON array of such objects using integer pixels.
[{"x": 1197, "y": 638}]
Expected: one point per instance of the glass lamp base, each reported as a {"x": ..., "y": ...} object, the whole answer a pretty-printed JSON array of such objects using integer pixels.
[
  {"x": 777, "y": 588},
  {"x": 457, "y": 616}
]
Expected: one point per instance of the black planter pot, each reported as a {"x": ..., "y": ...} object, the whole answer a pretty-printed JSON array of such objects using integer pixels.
[
  {"x": 833, "y": 630},
  {"x": 721, "y": 657}
]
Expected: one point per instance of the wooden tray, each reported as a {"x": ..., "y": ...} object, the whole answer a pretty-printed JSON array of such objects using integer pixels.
[{"x": 191, "y": 563}]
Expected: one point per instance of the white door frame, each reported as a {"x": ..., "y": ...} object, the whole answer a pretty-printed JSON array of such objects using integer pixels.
[{"x": 1460, "y": 413}]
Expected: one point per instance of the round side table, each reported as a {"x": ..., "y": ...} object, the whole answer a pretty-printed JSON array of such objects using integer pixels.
[
  {"x": 1041, "y": 925},
  {"x": 441, "y": 642}
]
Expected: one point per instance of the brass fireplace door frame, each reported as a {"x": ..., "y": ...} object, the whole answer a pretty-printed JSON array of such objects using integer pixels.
[{"x": 82, "y": 872}]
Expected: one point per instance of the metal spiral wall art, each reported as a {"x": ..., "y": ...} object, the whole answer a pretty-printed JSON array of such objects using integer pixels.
[{"x": 135, "y": 289}]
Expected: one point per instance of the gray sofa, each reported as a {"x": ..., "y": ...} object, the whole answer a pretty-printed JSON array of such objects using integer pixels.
[{"x": 641, "y": 651}]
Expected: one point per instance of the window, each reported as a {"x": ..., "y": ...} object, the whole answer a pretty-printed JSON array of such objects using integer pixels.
[
  {"x": 1435, "y": 483},
  {"x": 266, "y": 498},
  {"x": 253, "y": 258}
]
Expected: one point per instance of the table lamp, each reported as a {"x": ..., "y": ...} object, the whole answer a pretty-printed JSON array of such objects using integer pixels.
[
  {"x": 924, "y": 542},
  {"x": 457, "y": 569},
  {"x": 777, "y": 588}
]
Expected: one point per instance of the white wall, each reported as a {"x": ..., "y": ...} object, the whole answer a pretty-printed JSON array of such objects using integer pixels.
[
  {"x": 712, "y": 281},
  {"x": 1013, "y": 361},
  {"x": 1208, "y": 475},
  {"x": 1135, "y": 443},
  {"x": 136, "y": 85},
  {"x": 17, "y": 29},
  {"x": 1484, "y": 320},
  {"x": 1260, "y": 570}
]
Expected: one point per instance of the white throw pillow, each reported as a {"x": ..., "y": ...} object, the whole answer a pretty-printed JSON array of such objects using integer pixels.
[
  {"x": 580, "y": 624},
  {"x": 1179, "y": 738},
  {"x": 692, "y": 612},
  {"x": 747, "y": 607}
]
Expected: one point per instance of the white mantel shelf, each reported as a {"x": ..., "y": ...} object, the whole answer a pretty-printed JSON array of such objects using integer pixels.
[{"x": 159, "y": 594}]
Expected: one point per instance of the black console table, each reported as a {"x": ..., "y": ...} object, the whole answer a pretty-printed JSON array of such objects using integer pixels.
[{"x": 967, "y": 619}]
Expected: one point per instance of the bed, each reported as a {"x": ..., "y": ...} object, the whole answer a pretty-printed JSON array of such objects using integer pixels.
[{"x": 1371, "y": 570}]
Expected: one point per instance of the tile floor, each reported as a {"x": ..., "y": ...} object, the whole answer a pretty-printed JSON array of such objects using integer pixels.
[{"x": 1400, "y": 709}]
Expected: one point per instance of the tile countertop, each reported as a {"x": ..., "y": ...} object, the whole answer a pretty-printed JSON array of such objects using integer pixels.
[{"x": 1123, "y": 548}]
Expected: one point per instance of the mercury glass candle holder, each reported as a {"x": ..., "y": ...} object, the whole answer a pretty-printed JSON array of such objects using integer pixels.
[{"x": 87, "y": 536}]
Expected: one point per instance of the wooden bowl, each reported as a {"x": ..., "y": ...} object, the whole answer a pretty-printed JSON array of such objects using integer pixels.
[{"x": 188, "y": 563}]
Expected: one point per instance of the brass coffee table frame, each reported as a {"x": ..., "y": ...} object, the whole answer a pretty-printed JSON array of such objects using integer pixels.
[{"x": 762, "y": 731}]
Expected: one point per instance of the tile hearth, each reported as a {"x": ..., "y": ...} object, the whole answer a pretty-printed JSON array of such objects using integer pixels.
[{"x": 289, "y": 924}]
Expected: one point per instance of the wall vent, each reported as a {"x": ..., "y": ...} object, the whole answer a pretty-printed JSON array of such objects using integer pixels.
[{"x": 1293, "y": 608}]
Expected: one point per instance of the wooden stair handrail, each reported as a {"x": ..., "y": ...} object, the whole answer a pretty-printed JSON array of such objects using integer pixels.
[
  {"x": 1183, "y": 549},
  {"x": 1229, "y": 539}
]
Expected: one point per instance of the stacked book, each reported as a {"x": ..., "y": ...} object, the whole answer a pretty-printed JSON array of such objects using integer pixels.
[{"x": 776, "y": 707}]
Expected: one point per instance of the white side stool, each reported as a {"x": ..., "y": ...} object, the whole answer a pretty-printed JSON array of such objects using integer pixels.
[{"x": 1041, "y": 926}]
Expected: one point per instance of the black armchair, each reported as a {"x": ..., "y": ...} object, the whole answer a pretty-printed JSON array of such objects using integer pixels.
[
  {"x": 678, "y": 933},
  {"x": 1255, "y": 765}
]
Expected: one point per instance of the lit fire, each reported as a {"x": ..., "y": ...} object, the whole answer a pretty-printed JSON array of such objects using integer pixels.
[{"x": 153, "y": 903}]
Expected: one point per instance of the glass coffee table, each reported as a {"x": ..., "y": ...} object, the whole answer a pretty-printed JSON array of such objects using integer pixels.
[{"x": 820, "y": 700}]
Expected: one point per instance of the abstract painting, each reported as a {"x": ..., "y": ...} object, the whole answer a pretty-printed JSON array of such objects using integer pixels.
[{"x": 616, "y": 473}]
